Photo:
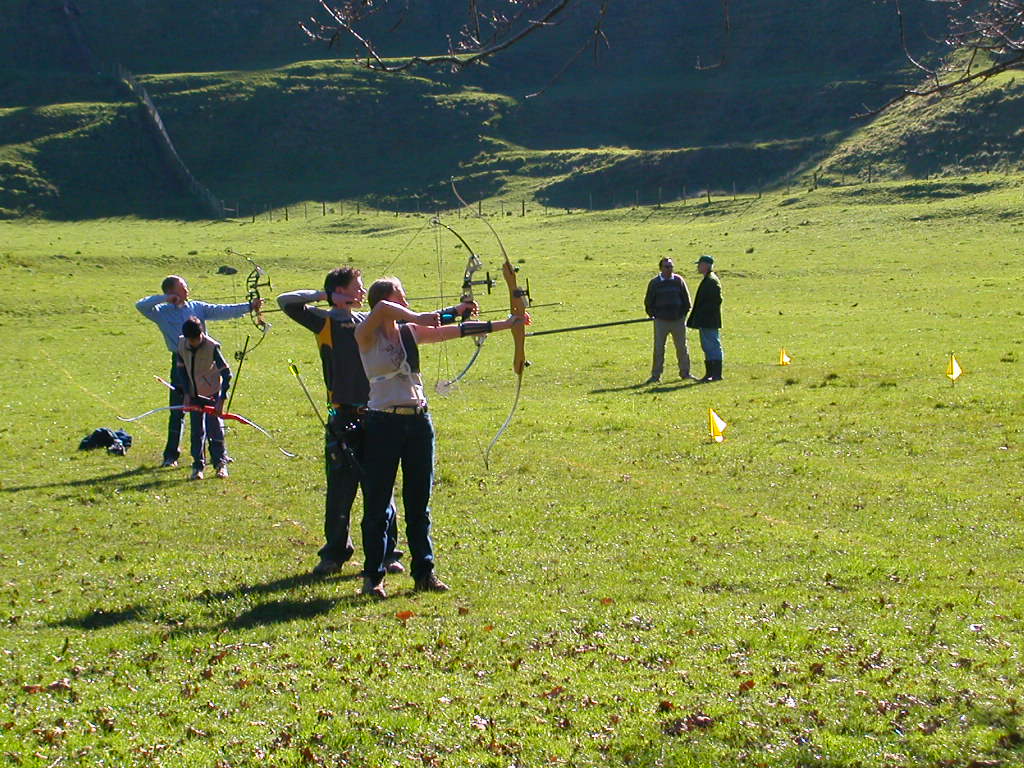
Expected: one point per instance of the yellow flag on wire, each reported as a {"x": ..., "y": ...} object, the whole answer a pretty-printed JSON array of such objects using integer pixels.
[
  {"x": 953, "y": 370},
  {"x": 784, "y": 359},
  {"x": 716, "y": 426}
]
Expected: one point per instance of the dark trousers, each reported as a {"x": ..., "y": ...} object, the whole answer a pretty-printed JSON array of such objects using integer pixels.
[
  {"x": 176, "y": 418},
  {"x": 394, "y": 440},
  {"x": 343, "y": 480}
]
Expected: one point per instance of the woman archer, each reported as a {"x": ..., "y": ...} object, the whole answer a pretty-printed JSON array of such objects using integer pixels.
[{"x": 399, "y": 430}]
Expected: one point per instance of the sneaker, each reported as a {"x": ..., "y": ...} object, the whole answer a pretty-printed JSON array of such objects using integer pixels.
[
  {"x": 222, "y": 471},
  {"x": 373, "y": 588},
  {"x": 197, "y": 474},
  {"x": 169, "y": 463},
  {"x": 430, "y": 583},
  {"x": 393, "y": 566},
  {"x": 326, "y": 567}
]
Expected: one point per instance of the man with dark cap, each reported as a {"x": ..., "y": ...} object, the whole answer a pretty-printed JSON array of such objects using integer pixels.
[{"x": 706, "y": 317}]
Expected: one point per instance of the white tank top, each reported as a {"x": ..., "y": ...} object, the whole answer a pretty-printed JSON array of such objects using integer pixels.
[{"x": 392, "y": 381}]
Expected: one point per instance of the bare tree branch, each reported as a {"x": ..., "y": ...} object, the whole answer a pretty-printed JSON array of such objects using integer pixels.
[
  {"x": 993, "y": 32},
  {"x": 510, "y": 22}
]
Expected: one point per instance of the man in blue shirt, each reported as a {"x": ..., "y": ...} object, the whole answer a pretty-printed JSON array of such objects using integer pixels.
[{"x": 169, "y": 310}]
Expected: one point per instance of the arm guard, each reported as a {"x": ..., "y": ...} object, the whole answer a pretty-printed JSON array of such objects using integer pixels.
[{"x": 474, "y": 328}]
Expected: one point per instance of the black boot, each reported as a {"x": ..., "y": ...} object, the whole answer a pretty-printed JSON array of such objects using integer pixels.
[
  {"x": 708, "y": 368},
  {"x": 716, "y": 370}
]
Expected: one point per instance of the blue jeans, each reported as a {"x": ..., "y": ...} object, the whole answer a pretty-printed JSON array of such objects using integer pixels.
[
  {"x": 207, "y": 427},
  {"x": 176, "y": 419},
  {"x": 711, "y": 343},
  {"x": 392, "y": 440}
]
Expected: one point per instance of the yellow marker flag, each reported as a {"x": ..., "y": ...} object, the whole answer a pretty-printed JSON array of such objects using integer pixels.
[
  {"x": 716, "y": 426},
  {"x": 953, "y": 370},
  {"x": 784, "y": 359}
]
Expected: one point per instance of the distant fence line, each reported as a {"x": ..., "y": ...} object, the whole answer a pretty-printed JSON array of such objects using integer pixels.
[
  {"x": 619, "y": 200},
  {"x": 210, "y": 203}
]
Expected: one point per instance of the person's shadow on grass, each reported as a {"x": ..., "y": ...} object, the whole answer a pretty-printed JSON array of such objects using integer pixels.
[{"x": 92, "y": 481}]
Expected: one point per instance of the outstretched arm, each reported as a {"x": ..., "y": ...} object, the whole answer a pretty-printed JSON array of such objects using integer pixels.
[{"x": 431, "y": 335}]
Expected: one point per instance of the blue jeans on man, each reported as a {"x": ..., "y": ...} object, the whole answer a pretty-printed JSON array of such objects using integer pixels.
[
  {"x": 392, "y": 440},
  {"x": 711, "y": 343},
  {"x": 176, "y": 419}
]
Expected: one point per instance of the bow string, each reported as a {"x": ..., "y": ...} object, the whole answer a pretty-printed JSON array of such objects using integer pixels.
[{"x": 473, "y": 265}]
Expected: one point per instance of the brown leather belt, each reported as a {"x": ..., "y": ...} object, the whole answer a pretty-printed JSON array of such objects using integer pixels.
[{"x": 403, "y": 410}]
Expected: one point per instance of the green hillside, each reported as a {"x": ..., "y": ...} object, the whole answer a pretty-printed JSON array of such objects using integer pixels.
[{"x": 260, "y": 122}]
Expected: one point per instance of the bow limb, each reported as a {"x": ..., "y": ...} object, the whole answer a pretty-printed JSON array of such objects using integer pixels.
[
  {"x": 256, "y": 279},
  {"x": 242, "y": 420},
  {"x": 517, "y": 306},
  {"x": 155, "y": 410},
  {"x": 518, "y": 301},
  {"x": 209, "y": 409}
]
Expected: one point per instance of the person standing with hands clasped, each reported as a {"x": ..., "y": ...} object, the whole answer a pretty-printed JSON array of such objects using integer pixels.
[
  {"x": 207, "y": 378},
  {"x": 668, "y": 301},
  {"x": 706, "y": 317},
  {"x": 399, "y": 430}
]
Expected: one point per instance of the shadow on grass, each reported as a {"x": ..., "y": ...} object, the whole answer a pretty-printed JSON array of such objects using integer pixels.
[
  {"x": 674, "y": 387},
  {"x": 277, "y": 585},
  {"x": 655, "y": 388},
  {"x": 281, "y": 611},
  {"x": 101, "y": 619},
  {"x": 89, "y": 481},
  {"x": 627, "y": 388}
]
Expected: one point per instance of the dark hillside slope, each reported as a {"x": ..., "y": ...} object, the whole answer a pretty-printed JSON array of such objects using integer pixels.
[{"x": 640, "y": 121}]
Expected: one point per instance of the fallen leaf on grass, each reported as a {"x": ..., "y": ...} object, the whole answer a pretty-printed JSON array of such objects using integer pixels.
[
  {"x": 680, "y": 725},
  {"x": 746, "y": 685},
  {"x": 404, "y": 616},
  {"x": 665, "y": 706},
  {"x": 606, "y": 601}
]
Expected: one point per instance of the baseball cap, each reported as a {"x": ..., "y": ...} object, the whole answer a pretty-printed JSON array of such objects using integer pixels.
[{"x": 705, "y": 259}]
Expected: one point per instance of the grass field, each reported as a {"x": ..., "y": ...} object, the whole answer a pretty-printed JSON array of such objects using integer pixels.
[{"x": 837, "y": 584}]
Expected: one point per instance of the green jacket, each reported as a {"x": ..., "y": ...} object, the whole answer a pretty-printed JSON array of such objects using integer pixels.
[{"x": 707, "y": 304}]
